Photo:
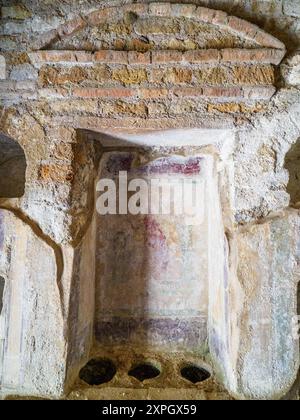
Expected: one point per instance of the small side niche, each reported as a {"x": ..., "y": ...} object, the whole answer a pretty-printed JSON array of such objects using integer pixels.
[{"x": 12, "y": 168}]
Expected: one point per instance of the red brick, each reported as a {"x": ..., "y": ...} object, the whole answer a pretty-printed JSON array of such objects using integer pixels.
[
  {"x": 204, "y": 14},
  {"x": 188, "y": 92},
  {"x": 42, "y": 57},
  {"x": 263, "y": 56},
  {"x": 220, "y": 92},
  {"x": 160, "y": 9},
  {"x": 83, "y": 57},
  {"x": 52, "y": 56},
  {"x": 108, "y": 56},
  {"x": 71, "y": 27},
  {"x": 242, "y": 26},
  {"x": 135, "y": 57},
  {"x": 267, "y": 40},
  {"x": 153, "y": 93},
  {"x": 104, "y": 92},
  {"x": 220, "y": 18},
  {"x": 100, "y": 16},
  {"x": 184, "y": 10},
  {"x": 166, "y": 57},
  {"x": 202, "y": 56},
  {"x": 140, "y": 9}
]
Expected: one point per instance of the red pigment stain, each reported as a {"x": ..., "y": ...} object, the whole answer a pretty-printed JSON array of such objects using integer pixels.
[
  {"x": 190, "y": 166},
  {"x": 154, "y": 235}
]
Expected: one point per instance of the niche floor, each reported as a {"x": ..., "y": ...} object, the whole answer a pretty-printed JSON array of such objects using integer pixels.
[{"x": 165, "y": 372}]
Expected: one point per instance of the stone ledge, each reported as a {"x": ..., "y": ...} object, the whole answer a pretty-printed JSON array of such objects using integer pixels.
[
  {"x": 258, "y": 56},
  {"x": 249, "y": 92}
]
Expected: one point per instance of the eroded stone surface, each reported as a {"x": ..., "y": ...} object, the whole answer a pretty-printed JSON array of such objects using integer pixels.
[
  {"x": 268, "y": 273},
  {"x": 32, "y": 338}
]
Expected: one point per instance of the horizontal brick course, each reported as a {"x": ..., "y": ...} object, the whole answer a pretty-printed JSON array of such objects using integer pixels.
[
  {"x": 263, "y": 56},
  {"x": 166, "y": 57},
  {"x": 104, "y": 93},
  {"x": 119, "y": 57},
  {"x": 202, "y": 56}
]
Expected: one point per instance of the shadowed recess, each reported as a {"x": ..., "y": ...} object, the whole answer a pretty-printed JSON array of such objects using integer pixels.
[
  {"x": 194, "y": 374},
  {"x": 144, "y": 371},
  {"x": 2, "y": 284},
  {"x": 98, "y": 371},
  {"x": 12, "y": 168},
  {"x": 292, "y": 164}
]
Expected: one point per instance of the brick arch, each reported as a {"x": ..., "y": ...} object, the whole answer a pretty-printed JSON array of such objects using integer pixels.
[
  {"x": 135, "y": 87},
  {"x": 218, "y": 19}
]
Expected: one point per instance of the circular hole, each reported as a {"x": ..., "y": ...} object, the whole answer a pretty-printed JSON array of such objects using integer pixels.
[
  {"x": 144, "y": 371},
  {"x": 194, "y": 374},
  {"x": 98, "y": 371}
]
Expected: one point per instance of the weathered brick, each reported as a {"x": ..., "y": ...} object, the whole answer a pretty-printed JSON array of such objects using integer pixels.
[
  {"x": 104, "y": 93},
  {"x": 202, "y": 56},
  {"x": 135, "y": 109},
  {"x": 71, "y": 27},
  {"x": 235, "y": 108},
  {"x": 184, "y": 10},
  {"x": 267, "y": 40},
  {"x": 153, "y": 93},
  {"x": 213, "y": 76},
  {"x": 74, "y": 105},
  {"x": 49, "y": 75},
  {"x": 253, "y": 75},
  {"x": 103, "y": 15},
  {"x": 100, "y": 73},
  {"x": 181, "y": 45},
  {"x": 129, "y": 76},
  {"x": 221, "y": 92},
  {"x": 188, "y": 92},
  {"x": 220, "y": 18},
  {"x": 160, "y": 9},
  {"x": 261, "y": 92},
  {"x": 262, "y": 55},
  {"x": 118, "y": 57},
  {"x": 166, "y": 57},
  {"x": 139, "y": 45},
  {"x": 242, "y": 26},
  {"x": 178, "y": 75},
  {"x": 204, "y": 14},
  {"x": 51, "y": 56},
  {"x": 226, "y": 108},
  {"x": 141, "y": 9},
  {"x": 155, "y": 109},
  {"x": 157, "y": 26},
  {"x": 135, "y": 57},
  {"x": 55, "y": 173},
  {"x": 52, "y": 93}
]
